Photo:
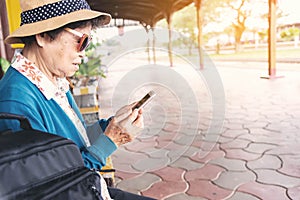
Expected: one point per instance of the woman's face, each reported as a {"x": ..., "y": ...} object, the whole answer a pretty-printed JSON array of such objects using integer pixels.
[{"x": 62, "y": 56}]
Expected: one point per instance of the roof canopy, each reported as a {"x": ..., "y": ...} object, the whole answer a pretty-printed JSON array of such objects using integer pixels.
[{"x": 148, "y": 12}]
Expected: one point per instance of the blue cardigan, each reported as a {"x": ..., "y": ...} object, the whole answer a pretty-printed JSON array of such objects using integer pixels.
[{"x": 20, "y": 96}]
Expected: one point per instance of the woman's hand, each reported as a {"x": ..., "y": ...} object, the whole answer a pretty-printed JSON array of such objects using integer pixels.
[
  {"x": 114, "y": 132},
  {"x": 133, "y": 123},
  {"x": 125, "y": 125}
]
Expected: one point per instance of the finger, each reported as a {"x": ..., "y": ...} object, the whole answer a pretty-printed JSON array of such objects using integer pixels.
[
  {"x": 139, "y": 122},
  {"x": 125, "y": 138},
  {"x": 141, "y": 111},
  {"x": 123, "y": 115},
  {"x": 140, "y": 114},
  {"x": 129, "y": 119},
  {"x": 132, "y": 104},
  {"x": 134, "y": 115}
]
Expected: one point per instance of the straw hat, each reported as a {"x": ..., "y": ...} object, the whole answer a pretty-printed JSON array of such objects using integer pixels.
[{"x": 39, "y": 16}]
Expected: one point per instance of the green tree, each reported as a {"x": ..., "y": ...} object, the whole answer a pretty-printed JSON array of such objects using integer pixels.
[
  {"x": 263, "y": 34},
  {"x": 4, "y": 64},
  {"x": 185, "y": 21},
  {"x": 242, "y": 10},
  {"x": 90, "y": 66},
  {"x": 290, "y": 34}
]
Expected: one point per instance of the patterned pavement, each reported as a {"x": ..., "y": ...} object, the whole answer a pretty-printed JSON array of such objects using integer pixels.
[{"x": 255, "y": 156}]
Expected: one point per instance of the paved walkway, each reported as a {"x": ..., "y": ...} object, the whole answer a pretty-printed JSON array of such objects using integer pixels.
[{"x": 256, "y": 155}]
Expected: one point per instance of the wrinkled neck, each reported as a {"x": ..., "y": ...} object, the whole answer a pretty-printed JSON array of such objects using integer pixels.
[{"x": 35, "y": 54}]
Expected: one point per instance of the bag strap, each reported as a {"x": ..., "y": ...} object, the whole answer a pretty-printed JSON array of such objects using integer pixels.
[{"x": 24, "y": 122}]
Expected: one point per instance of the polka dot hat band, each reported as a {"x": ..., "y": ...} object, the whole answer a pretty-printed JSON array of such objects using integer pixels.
[{"x": 52, "y": 10}]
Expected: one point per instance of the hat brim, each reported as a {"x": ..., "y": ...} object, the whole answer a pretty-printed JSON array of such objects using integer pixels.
[{"x": 54, "y": 23}]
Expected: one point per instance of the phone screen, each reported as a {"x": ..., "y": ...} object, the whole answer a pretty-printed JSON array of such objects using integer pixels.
[{"x": 144, "y": 100}]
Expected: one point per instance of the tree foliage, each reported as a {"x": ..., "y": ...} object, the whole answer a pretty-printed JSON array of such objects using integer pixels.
[
  {"x": 4, "y": 64},
  {"x": 230, "y": 17},
  {"x": 290, "y": 33},
  {"x": 90, "y": 66}
]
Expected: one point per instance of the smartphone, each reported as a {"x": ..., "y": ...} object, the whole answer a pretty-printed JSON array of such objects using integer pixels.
[{"x": 141, "y": 103}]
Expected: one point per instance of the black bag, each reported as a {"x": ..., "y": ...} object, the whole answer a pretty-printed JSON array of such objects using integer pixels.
[{"x": 38, "y": 165}]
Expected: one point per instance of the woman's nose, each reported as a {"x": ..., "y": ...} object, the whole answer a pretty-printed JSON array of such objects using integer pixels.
[{"x": 82, "y": 54}]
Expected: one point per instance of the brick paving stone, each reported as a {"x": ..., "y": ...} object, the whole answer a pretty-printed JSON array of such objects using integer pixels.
[
  {"x": 183, "y": 196},
  {"x": 150, "y": 164},
  {"x": 230, "y": 133},
  {"x": 265, "y": 162},
  {"x": 169, "y": 145},
  {"x": 275, "y": 140},
  {"x": 211, "y": 137},
  {"x": 263, "y": 191},
  {"x": 150, "y": 133},
  {"x": 193, "y": 130},
  {"x": 273, "y": 177},
  {"x": 235, "y": 144},
  {"x": 272, "y": 113},
  {"x": 166, "y": 136},
  {"x": 255, "y": 115},
  {"x": 223, "y": 139},
  {"x": 243, "y": 196},
  {"x": 138, "y": 146},
  {"x": 169, "y": 187},
  {"x": 203, "y": 128},
  {"x": 125, "y": 175},
  {"x": 184, "y": 139},
  {"x": 249, "y": 137},
  {"x": 241, "y": 154},
  {"x": 291, "y": 165},
  {"x": 157, "y": 153},
  {"x": 174, "y": 155},
  {"x": 279, "y": 126},
  {"x": 233, "y": 126},
  {"x": 197, "y": 141},
  {"x": 262, "y": 131},
  {"x": 209, "y": 146},
  {"x": 294, "y": 193},
  {"x": 186, "y": 163},
  {"x": 231, "y": 180},
  {"x": 293, "y": 121},
  {"x": 234, "y": 116},
  {"x": 170, "y": 126},
  {"x": 230, "y": 164},
  {"x": 126, "y": 158},
  {"x": 207, "y": 172},
  {"x": 192, "y": 151},
  {"x": 242, "y": 121},
  {"x": 292, "y": 134},
  {"x": 184, "y": 151},
  {"x": 277, "y": 116},
  {"x": 139, "y": 183},
  {"x": 205, "y": 189},
  {"x": 257, "y": 124},
  {"x": 170, "y": 174},
  {"x": 290, "y": 148},
  {"x": 146, "y": 139},
  {"x": 204, "y": 157},
  {"x": 260, "y": 147}
]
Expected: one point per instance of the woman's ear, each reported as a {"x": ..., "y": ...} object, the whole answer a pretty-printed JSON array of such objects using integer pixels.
[{"x": 41, "y": 39}]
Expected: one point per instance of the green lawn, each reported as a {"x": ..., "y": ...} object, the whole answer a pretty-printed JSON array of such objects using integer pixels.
[{"x": 259, "y": 54}]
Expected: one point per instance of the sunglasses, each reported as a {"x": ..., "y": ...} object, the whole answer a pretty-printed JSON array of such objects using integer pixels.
[{"x": 84, "y": 41}]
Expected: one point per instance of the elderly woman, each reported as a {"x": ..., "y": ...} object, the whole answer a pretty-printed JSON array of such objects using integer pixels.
[{"x": 55, "y": 34}]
